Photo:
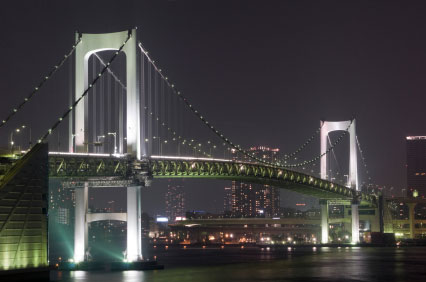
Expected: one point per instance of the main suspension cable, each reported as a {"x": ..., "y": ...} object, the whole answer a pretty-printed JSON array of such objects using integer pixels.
[
  {"x": 66, "y": 113},
  {"x": 175, "y": 137},
  {"x": 363, "y": 160},
  {"x": 303, "y": 146},
  {"x": 37, "y": 88},
  {"x": 220, "y": 135}
]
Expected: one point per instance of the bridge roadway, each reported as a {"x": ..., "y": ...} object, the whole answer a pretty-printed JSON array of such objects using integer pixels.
[{"x": 120, "y": 170}]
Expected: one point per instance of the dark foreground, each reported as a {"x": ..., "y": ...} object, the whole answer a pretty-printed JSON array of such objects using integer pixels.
[{"x": 252, "y": 264}]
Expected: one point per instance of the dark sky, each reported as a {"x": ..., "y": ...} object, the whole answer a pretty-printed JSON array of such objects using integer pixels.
[{"x": 265, "y": 72}]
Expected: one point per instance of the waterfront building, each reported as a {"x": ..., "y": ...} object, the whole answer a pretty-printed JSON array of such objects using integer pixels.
[{"x": 416, "y": 166}]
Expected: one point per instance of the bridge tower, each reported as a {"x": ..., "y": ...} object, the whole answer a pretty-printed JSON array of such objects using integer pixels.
[
  {"x": 326, "y": 128},
  {"x": 90, "y": 44},
  {"x": 78, "y": 133}
]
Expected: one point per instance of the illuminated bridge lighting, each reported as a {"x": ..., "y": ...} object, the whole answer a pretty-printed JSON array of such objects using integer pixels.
[
  {"x": 189, "y": 158},
  {"x": 87, "y": 154}
]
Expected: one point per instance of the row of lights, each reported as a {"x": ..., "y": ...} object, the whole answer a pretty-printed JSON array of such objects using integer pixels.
[
  {"x": 236, "y": 147},
  {"x": 184, "y": 142},
  {"x": 289, "y": 156},
  {"x": 47, "y": 77},
  {"x": 162, "y": 123},
  {"x": 66, "y": 113}
]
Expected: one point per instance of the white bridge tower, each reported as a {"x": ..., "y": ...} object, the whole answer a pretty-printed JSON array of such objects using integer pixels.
[
  {"x": 326, "y": 128},
  {"x": 90, "y": 44}
]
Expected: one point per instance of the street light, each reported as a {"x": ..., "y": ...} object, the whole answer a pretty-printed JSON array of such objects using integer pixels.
[
  {"x": 17, "y": 130},
  {"x": 347, "y": 180},
  {"x": 98, "y": 143},
  {"x": 115, "y": 140}
]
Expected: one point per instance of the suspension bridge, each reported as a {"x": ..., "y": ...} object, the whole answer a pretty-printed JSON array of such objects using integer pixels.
[{"x": 129, "y": 132}]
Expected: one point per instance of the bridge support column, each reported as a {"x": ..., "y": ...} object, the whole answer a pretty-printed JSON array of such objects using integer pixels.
[
  {"x": 355, "y": 222},
  {"x": 324, "y": 221},
  {"x": 80, "y": 226},
  {"x": 134, "y": 236}
]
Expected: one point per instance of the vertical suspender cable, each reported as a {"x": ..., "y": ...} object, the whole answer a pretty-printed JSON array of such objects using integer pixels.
[
  {"x": 71, "y": 101},
  {"x": 83, "y": 95},
  {"x": 108, "y": 114},
  {"x": 156, "y": 112},
  {"x": 143, "y": 106},
  {"x": 101, "y": 113},
  {"x": 94, "y": 100},
  {"x": 150, "y": 110},
  {"x": 116, "y": 112}
]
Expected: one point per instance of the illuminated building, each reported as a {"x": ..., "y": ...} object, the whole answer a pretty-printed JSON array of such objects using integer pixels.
[
  {"x": 227, "y": 200},
  {"x": 256, "y": 200},
  {"x": 416, "y": 166},
  {"x": 61, "y": 204},
  {"x": 175, "y": 201},
  {"x": 23, "y": 212},
  {"x": 261, "y": 231}
]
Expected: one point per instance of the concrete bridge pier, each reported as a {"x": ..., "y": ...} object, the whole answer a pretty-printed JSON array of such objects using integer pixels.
[
  {"x": 355, "y": 221},
  {"x": 80, "y": 224},
  {"x": 134, "y": 236},
  {"x": 324, "y": 221},
  {"x": 133, "y": 218}
]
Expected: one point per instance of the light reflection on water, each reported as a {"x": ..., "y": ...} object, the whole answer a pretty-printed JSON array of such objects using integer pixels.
[{"x": 323, "y": 264}]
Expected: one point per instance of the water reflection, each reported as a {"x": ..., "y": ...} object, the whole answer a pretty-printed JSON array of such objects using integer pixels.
[{"x": 299, "y": 264}]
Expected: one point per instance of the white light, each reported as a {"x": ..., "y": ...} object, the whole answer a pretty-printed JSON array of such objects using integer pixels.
[
  {"x": 87, "y": 154},
  {"x": 189, "y": 158},
  {"x": 162, "y": 219},
  {"x": 191, "y": 225}
]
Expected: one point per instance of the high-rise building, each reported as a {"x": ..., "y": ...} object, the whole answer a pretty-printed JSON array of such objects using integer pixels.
[
  {"x": 62, "y": 202},
  {"x": 416, "y": 166},
  {"x": 227, "y": 200},
  {"x": 175, "y": 201},
  {"x": 256, "y": 200}
]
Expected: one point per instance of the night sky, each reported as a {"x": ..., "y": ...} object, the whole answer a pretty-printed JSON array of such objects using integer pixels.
[{"x": 264, "y": 72}]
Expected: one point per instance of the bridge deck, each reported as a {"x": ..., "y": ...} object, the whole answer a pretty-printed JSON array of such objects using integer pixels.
[{"x": 81, "y": 167}]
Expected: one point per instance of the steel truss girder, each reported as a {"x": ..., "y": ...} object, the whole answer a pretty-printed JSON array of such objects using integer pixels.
[
  {"x": 87, "y": 166},
  {"x": 257, "y": 173},
  {"x": 98, "y": 169}
]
